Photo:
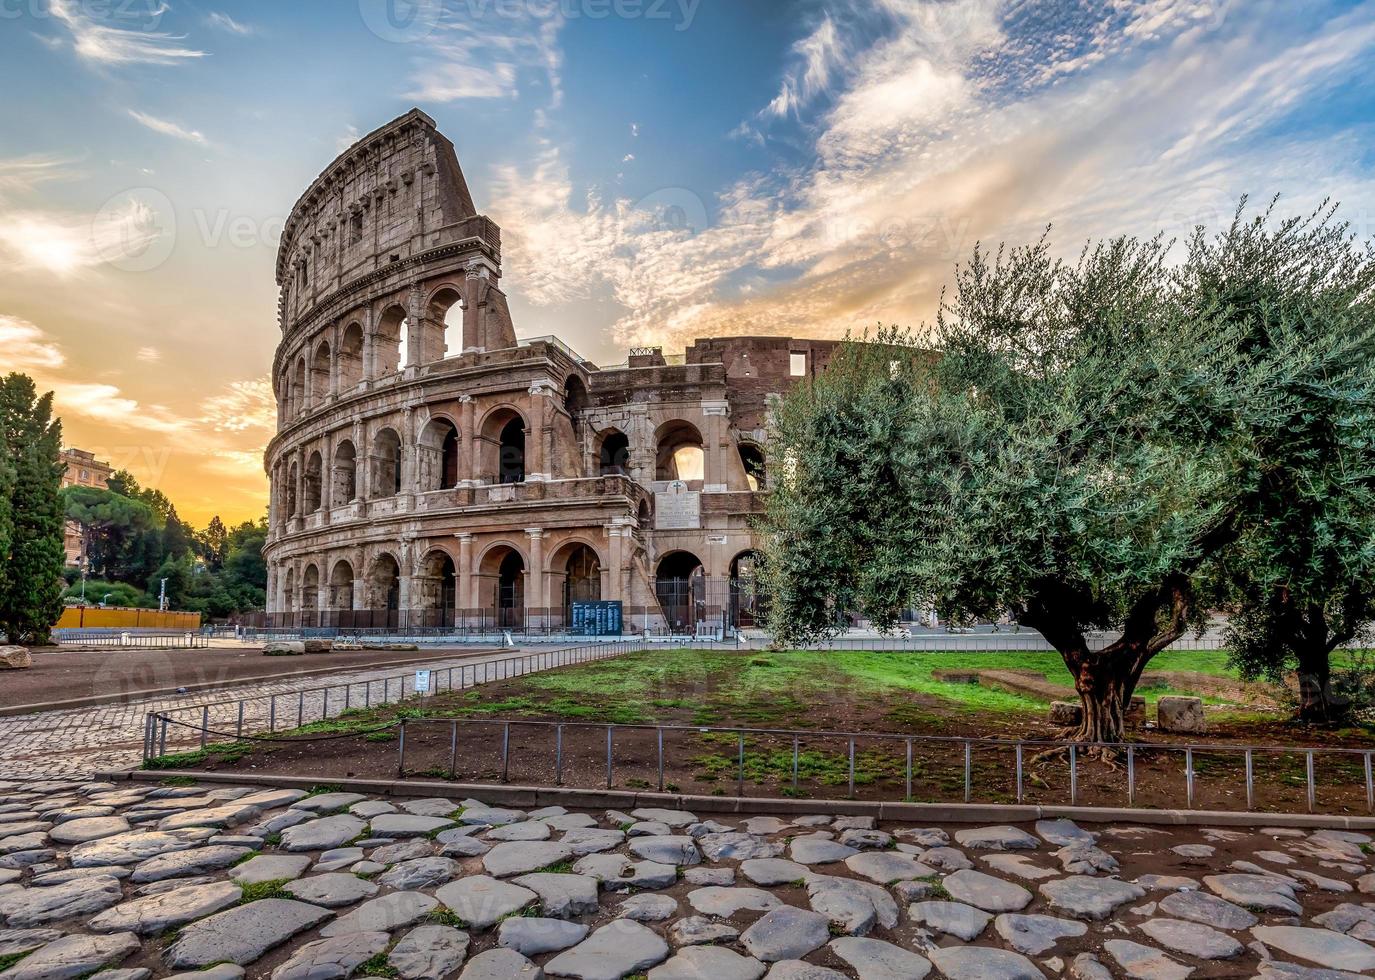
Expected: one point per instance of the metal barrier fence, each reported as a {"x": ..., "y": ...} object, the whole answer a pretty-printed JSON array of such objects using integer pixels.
[
  {"x": 197, "y": 723},
  {"x": 185, "y": 640}
]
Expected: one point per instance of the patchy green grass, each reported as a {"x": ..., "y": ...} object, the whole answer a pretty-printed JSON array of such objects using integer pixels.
[
  {"x": 444, "y": 916},
  {"x": 9, "y": 959},
  {"x": 275, "y": 888},
  {"x": 376, "y": 966}
]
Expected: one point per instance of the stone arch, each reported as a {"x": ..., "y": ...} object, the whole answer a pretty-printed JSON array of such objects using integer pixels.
[
  {"x": 350, "y": 357},
  {"x": 748, "y": 604},
  {"x": 289, "y": 589},
  {"x": 575, "y": 575},
  {"x": 444, "y": 309},
  {"x": 390, "y": 342},
  {"x": 436, "y": 588},
  {"x": 344, "y": 474},
  {"x": 314, "y": 485},
  {"x": 753, "y": 461},
  {"x": 680, "y": 587},
  {"x": 613, "y": 453},
  {"x": 501, "y": 583},
  {"x": 645, "y": 514},
  {"x": 310, "y": 588},
  {"x": 502, "y": 444},
  {"x": 341, "y": 585},
  {"x": 383, "y": 583},
  {"x": 319, "y": 374},
  {"x": 437, "y": 455},
  {"x": 298, "y": 387},
  {"x": 385, "y": 459},
  {"x": 291, "y": 476},
  {"x": 679, "y": 453}
]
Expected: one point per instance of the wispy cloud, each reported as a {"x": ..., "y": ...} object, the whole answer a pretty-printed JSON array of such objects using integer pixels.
[
  {"x": 22, "y": 174},
  {"x": 149, "y": 355},
  {"x": 222, "y": 21},
  {"x": 487, "y": 55},
  {"x": 109, "y": 44},
  {"x": 26, "y": 347},
  {"x": 64, "y": 244},
  {"x": 243, "y": 405},
  {"x": 167, "y": 128}
]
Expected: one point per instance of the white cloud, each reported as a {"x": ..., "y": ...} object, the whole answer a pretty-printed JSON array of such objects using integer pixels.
[
  {"x": 149, "y": 355},
  {"x": 21, "y": 174},
  {"x": 26, "y": 347},
  {"x": 168, "y": 128},
  {"x": 240, "y": 406},
  {"x": 107, "y": 44},
  {"x": 65, "y": 244},
  {"x": 107, "y": 404},
  {"x": 489, "y": 56},
  {"x": 349, "y": 137},
  {"x": 224, "y": 22}
]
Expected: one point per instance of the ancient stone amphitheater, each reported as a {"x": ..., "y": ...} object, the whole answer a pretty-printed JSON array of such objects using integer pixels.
[{"x": 430, "y": 469}]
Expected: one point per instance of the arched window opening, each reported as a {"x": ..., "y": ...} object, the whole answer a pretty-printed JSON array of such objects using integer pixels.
[
  {"x": 747, "y": 602},
  {"x": 345, "y": 476},
  {"x": 441, "y": 589},
  {"x": 511, "y": 461},
  {"x": 574, "y": 396},
  {"x": 680, "y": 586},
  {"x": 582, "y": 579},
  {"x": 298, "y": 388},
  {"x": 351, "y": 357},
  {"x": 679, "y": 454},
  {"x": 310, "y": 589},
  {"x": 510, "y": 594},
  {"x": 291, "y": 476},
  {"x": 341, "y": 586},
  {"x": 314, "y": 468},
  {"x": 384, "y": 585},
  {"x": 390, "y": 341},
  {"x": 289, "y": 596},
  {"x": 644, "y": 515},
  {"x": 615, "y": 454},
  {"x": 319, "y": 375},
  {"x": 386, "y": 463},
  {"x": 752, "y": 458},
  {"x": 446, "y": 310},
  {"x": 438, "y": 455}
]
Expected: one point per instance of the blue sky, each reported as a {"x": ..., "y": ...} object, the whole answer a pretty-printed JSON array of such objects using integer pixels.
[{"x": 661, "y": 170}]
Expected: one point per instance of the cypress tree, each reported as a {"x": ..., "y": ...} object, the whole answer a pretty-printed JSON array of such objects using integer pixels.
[{"x": 31, "y": 563}]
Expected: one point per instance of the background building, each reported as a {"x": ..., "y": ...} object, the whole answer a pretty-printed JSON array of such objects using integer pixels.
[
  {"x": 80, "y": 469},
  {"x": 429, "y": 469}
]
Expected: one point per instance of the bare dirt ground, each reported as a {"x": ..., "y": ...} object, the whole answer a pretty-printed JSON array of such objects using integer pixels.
[{"x": 112, "y": 675}]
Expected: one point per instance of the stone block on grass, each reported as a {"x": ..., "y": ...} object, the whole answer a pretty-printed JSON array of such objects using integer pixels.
[{"x": 1180, "y": 714}]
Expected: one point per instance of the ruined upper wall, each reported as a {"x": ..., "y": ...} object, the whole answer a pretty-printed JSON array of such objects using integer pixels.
[{"x": 396, "y": 192}]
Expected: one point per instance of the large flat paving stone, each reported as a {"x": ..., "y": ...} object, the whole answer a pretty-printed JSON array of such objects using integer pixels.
[
  {"x": 1321, "y": 946},
  {"x": 1086, "y": 897},
  {"x": 85, "y": 829},
  {"x": 1208, "y": 909},
  {"x": 429, "y": 952},
  {"x": 562, "y": 896},
  {"x": 1145, "y": 962},
  {"x": 332, "y": 959},
  {"x": 716, "y": 962},
  {"x": 874, "y": 959},
  {"x": 127, "y": 848},
  {"x": 852, "y": 906},
  {"x": 13, "y": 941},
  {"x": 886, "y": 867},
  {"x": 155, "y": 914},
  {"x": 670, "y": 849},
  {"x": 1036, "y": 934},
  {"x": 819, "y": 850},
  {"x": 407, "y": 825},
  {"x": 725, "y": 902},
  {"x": 535, "y": 936},
  {"x": 1062, "y": 832},
  {"x": 1263, "y": 892},
  {"x": 229, "y": 815},
  {"x": 501, "y": 964},
  {"x": 786, "y": 933},
  {"x": 423, "y": 872},
  {"x": 242, "y": 934},
  {"x": 270, "y": 867},
  {"x": 735, "y": 846},
  {"x": 802, "y": 970},
  {"x": 74, "y": 956},
  {"x": 996, "y": 839},
  {"x": 332, "y": 890},
  {"x": 589, "y": 840},
  {"x": 984, "y": 963},
  {"x": 522, "y": 857},
  {"x": 197, "y": 861},
  {"x": 382, "y": 914},
  {"x": 1191, "y": 938},
  {"x": 322, "y": 834},
  {"x": 25, "y": 907},
  {"x": 953, "y": 918},
  {"x": 482, "y": 902},
  {"x": 616, "y": 950},
  {"x": 772, "y": 871},
  {"x": 328, "y": 802},
  {"x": 986, "y": 892}
]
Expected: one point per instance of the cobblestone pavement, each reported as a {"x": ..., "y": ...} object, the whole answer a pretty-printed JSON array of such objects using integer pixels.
[
  {"x": 132, "y": 880},
  {"x": 80, "y": 741}
]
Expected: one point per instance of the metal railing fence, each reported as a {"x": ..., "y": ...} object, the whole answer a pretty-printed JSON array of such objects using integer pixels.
[{"x": 142, "y": 640}]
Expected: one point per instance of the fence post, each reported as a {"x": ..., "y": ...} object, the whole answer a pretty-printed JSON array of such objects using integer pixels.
[
  {"x": 908, "y": 782},
  {"x": 660, "y": 733},
  {"x": 205, "y": 724},
  {"x": 794, "y": 763},
  {"x": 300, "y": 709},
  {"x": 1250, "y": 783},
  {"x": 852, "y": 768},
  {"x": 1073, "y": 776},
  {"x": 1312, "y": 792},
  {"x": 558, "y": 755},
  {"x": 505, "y": 750},
  {"x": 1189, "y": 776},
  {"x": 162, "y": 745},
  {"x": 324, "y": 704},
  {"x": 1369, "y": 786},
  {"x": 1131, "y": 775},
  {"x": 1019, "y": 772},
  {"x": 401, "y": 751},
  {"x": 740, "y": 776},
  {"x": 238, "y": 731},
  {"x": 272, "y": 714},
  {"x": 453, "y": 749},
  {"x": 608, "y": 756},
  {"x": 968, "y": 770}
]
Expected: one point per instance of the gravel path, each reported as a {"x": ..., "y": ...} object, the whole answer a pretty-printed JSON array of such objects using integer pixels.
[{"x": 132, "y": 880}]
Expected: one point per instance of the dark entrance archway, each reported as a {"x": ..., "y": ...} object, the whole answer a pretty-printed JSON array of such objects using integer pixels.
[{"x": 680, "y": 586}]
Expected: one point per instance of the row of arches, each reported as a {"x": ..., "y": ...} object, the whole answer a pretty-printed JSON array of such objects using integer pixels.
[
  {"x": 680, "y": 587},
  {"x": 679, "y": 454}
]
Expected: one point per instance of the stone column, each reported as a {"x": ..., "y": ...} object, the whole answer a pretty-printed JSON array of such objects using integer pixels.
[
  {"x": 463, "y": 592},
  {"x": 534, "y": 577},
  {"x": 404, "y": 575},
  {"x": 409, "y": 476},
  {"x": 616, "y": 537},
  {"x": 334, "y": 335},
  {"x": 467, "y": 465},
  {"x": 714, "y": 463},
  {"x": 536, "y": 452},
  {"x": 361, "y": 487},
  {"x": 473, "y": 284}
]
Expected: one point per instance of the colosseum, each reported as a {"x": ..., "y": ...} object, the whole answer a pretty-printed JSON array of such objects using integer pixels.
[{"x": 431, "y": 470}]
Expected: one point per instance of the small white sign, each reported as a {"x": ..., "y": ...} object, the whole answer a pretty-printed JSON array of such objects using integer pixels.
[{"x": 422, "y": 682}]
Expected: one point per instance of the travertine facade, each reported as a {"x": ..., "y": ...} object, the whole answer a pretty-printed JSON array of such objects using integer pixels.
[
  {"x": 80, "y": 469},
  {"x": 429, "y": 469}
]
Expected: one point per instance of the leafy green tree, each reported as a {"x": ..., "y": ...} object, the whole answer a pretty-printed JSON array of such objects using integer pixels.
[
  {"x": 31, "y": 566},
  {"x": 244, "y": 564},
  {"x": 212, "y": 544},
  {"x": 122, "y": 538},
  {"x": 1302, "y": 573}
]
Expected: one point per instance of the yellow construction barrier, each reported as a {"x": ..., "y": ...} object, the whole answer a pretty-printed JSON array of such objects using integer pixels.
[{"x": 94, "y": 617}]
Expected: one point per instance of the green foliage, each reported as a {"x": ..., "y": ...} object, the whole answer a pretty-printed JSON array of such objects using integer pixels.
[
  {"x": 99, "y": 591},
  {"x": 31, "y": 524},
  {"x": 1116, "y": 443},
  {"x": 376, "y": 966},
  {"x": 275, "y": 888}
]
